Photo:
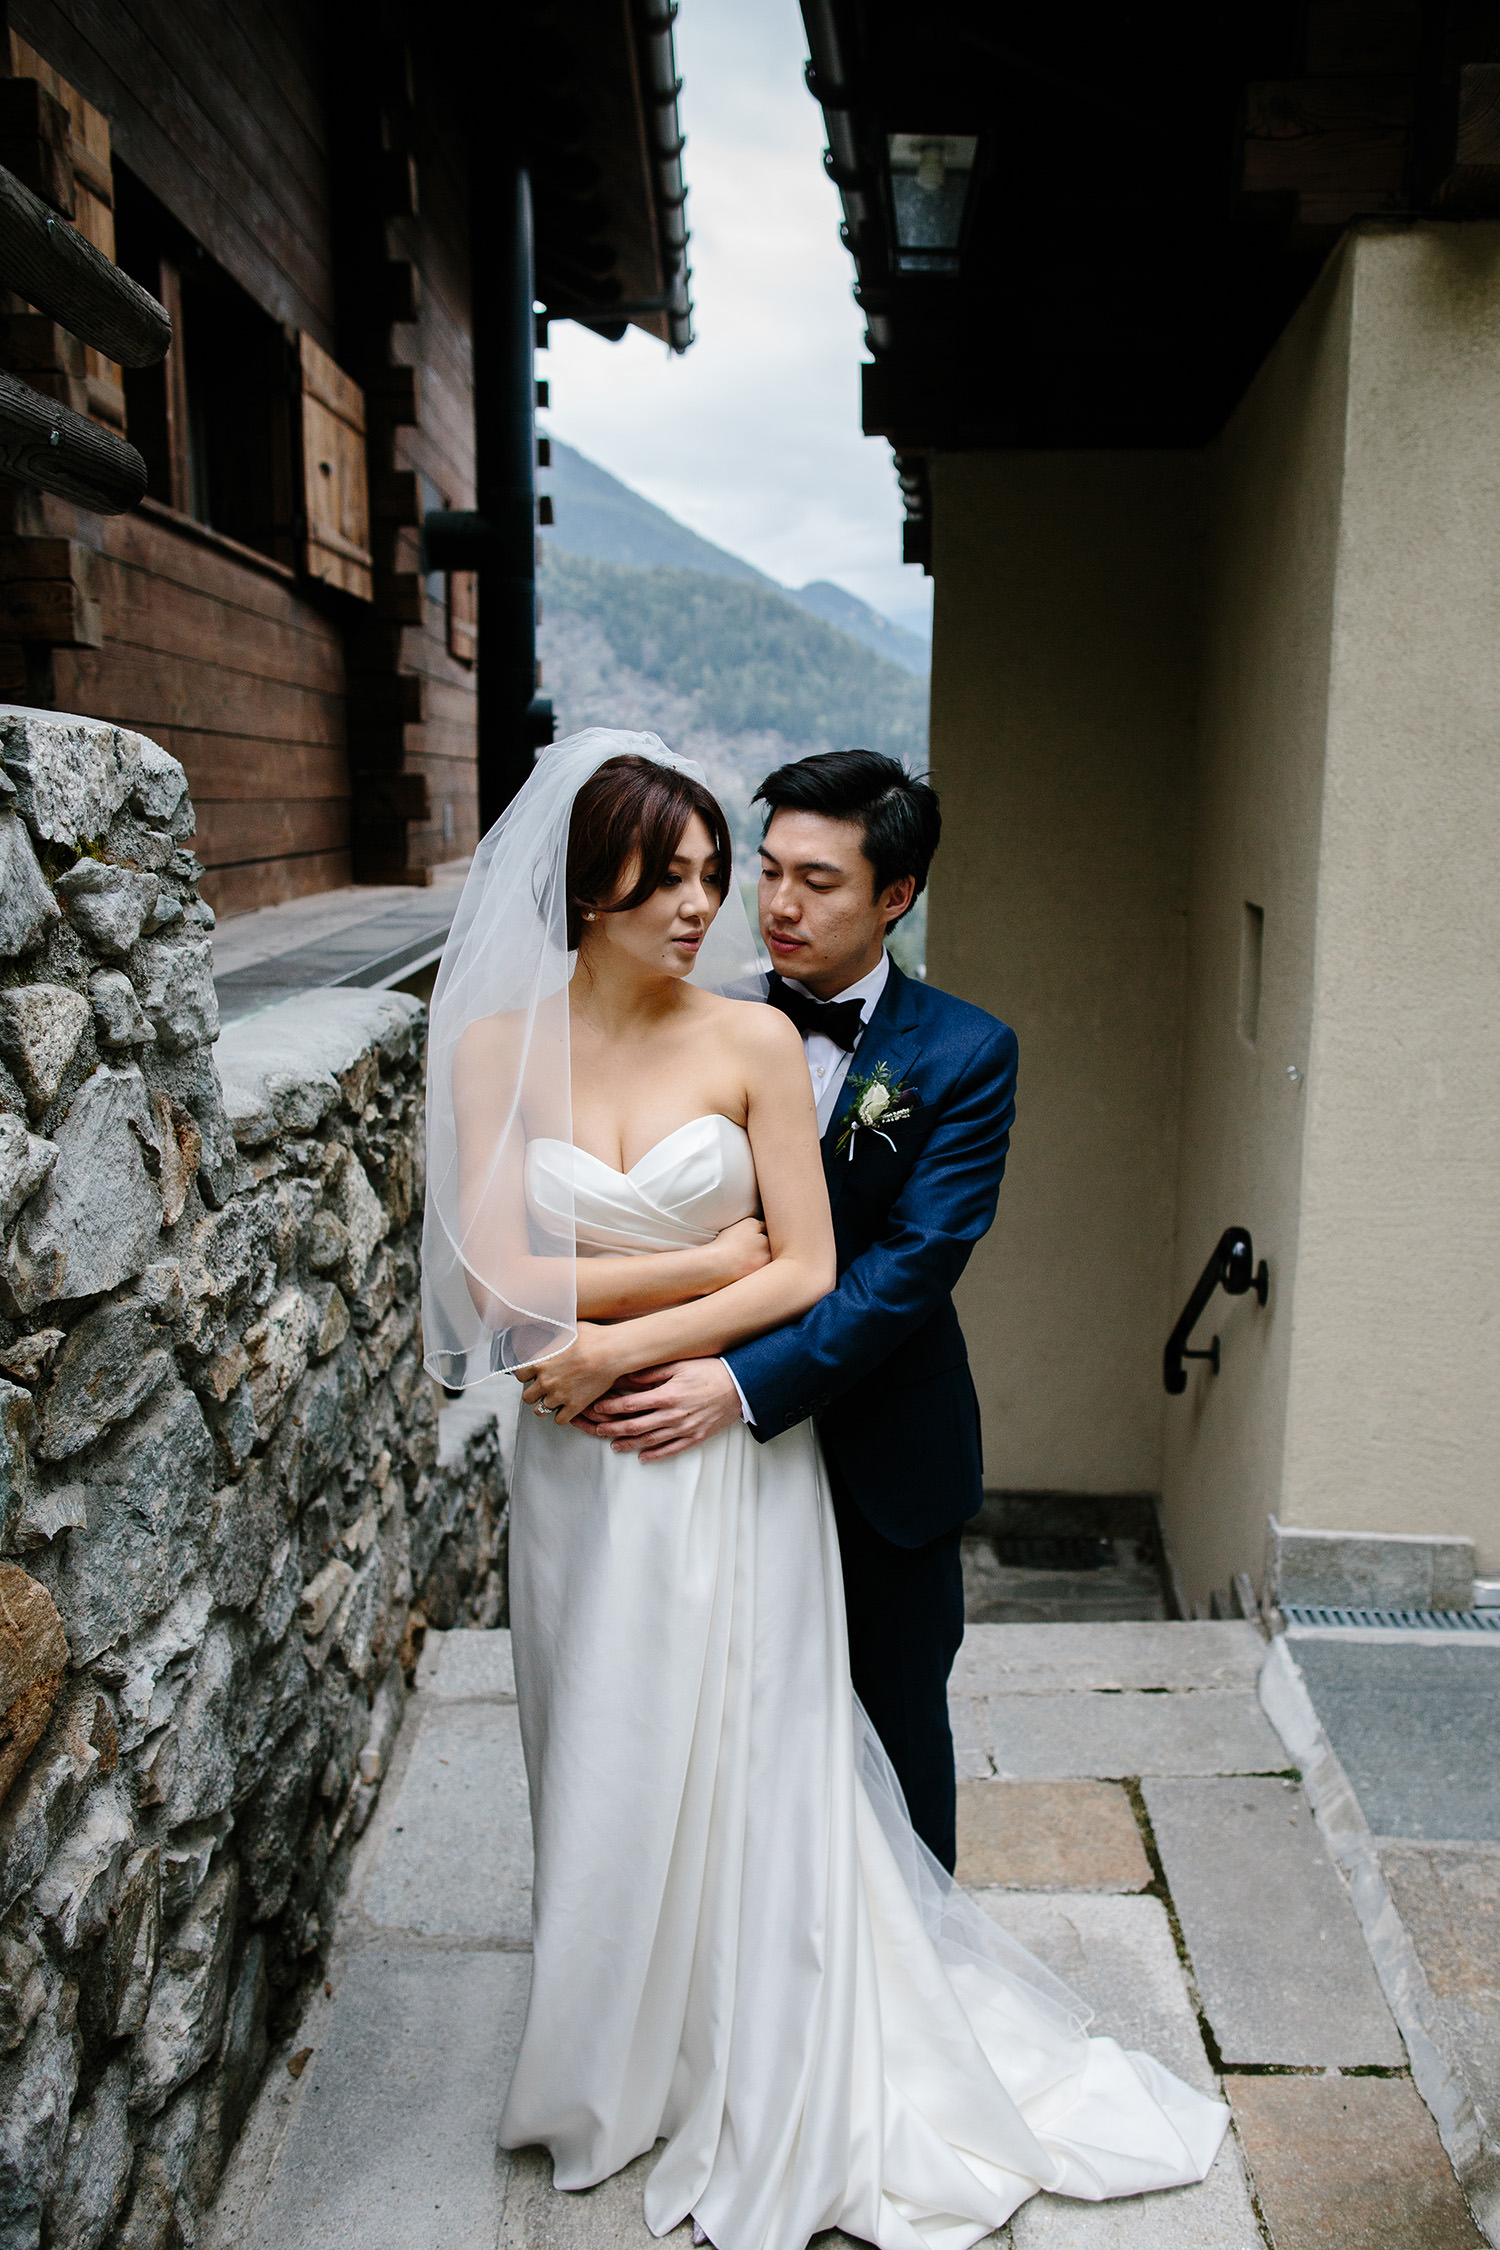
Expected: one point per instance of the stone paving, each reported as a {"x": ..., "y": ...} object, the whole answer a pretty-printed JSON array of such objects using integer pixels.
[
  {"x": 1126, "y": 1811},
  {"x": 370, "y": 935}
]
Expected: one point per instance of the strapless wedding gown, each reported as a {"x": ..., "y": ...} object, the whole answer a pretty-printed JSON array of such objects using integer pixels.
[{"x": 739, "y": 1946}]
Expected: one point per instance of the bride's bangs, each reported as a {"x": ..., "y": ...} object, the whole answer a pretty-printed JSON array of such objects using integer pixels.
[{"x": 632, "y": 814}]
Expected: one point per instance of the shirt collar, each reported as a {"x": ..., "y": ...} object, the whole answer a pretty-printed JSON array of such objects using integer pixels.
[{"x": 867, "y": 992}]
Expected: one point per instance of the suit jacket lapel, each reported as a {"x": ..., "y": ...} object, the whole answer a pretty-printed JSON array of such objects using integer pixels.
[{"x": 891, "y": 1036}]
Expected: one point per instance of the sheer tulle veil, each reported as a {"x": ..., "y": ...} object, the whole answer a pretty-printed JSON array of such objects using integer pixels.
[{"x": 507, "y": 958}]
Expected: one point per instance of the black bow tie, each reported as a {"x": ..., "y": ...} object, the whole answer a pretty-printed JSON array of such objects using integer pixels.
[{"x": 842, "y": 1021}]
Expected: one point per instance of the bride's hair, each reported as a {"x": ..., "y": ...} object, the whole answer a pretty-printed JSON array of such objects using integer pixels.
[{"x": 633, "y": 810}]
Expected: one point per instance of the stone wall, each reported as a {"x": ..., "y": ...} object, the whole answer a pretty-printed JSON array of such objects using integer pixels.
[{"x": 228, "y": 1499}]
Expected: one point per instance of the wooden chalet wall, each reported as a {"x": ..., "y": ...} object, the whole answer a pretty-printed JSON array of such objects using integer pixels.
[{"x": 325, "y": 734}]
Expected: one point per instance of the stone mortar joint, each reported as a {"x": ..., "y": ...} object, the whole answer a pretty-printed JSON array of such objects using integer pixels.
[{"x": 230, "y": 1498}]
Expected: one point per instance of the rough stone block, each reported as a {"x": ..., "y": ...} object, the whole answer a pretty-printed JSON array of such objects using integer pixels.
[
  {"x": 390, "y": 2137},
  {"x": 118, "y": 1020},
  {"x": 246, "y": 1530},
  {"x": 189, "y": 1995},
  {"x": 129, "y": 1561},
  {"x": 97, "y": 1221},
  {"x": 107, "y": 905},
  {"x": 120, "y": 1985},
  {"x": 40, "y": 1027},
  {"x": 90, "y": 2193},
  {"x": 1061, "y": 1737},
  {"x": 1280, "y": 1959},
  {"x": 36, "y": 2094},
  {"x": 321, "y": 1595},
  {"x": 1349, "y": 2164},
  {"x": 25, "y": 1161},
  {"x": 1369, "y": 1569},
  {"x": 277, "y": 1346},
  {"x": 26, "y": 1982},
  {"x": 16, "y": 1489},
  {"x": 35, "y": 1815},
  {"x": 33, "y": 1660},
  {"x": 175, "y": 983},
  {"x": 1052, "y": 1659},
  {"x": 26, "y": 901},
  {"x": 1049, "y": 1836},
  {"x": 109, "y": 1366},
  {"x": 361, "y": 1213},
  {"x": 158, "y": 790},
  {"x": 208, "y": 1722},
  {"x": 454, "y": 1851},
  {"x": 71, "y": 775},
  {"x": 331, "y": 1313},
  {"x": 316, "y": 1035},
  {"x": 81, "y": 1885}
]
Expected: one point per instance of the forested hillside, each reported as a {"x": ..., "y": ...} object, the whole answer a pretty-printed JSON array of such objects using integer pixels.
[{"x": 748, "y": 657}]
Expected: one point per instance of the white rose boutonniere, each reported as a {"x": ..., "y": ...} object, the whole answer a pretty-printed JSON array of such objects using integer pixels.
[{"x": 878, "y": 1103}]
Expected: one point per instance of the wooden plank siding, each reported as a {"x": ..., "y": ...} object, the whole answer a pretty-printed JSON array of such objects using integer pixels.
[
  {"x": 240, "y": 666},
  {"x": 222, "y": 661}
]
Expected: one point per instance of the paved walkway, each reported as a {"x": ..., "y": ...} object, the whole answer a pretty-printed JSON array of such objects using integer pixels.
[
  {"x": 366, "y": 934},
  {"x": 1127, "y": 1810}
]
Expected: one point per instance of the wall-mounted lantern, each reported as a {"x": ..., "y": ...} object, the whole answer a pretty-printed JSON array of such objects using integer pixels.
[{"x": 930, "y": 174}]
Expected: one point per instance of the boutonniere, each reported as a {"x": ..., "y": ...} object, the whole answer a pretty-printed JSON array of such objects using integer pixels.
[{"x": 878, "y": 1102}]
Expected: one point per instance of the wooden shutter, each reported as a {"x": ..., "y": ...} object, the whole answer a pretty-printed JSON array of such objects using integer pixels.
[
  {"x": 94, "y": 208},
  {"x": 335, "y": 483},
  {"x": 463, "y": 616}
]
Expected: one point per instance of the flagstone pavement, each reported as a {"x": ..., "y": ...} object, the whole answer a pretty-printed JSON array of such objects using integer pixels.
[{"x": 1127, "y": 1810}]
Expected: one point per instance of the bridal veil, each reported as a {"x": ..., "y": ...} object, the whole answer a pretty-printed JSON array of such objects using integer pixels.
[{"x": 498, "y": 1281}]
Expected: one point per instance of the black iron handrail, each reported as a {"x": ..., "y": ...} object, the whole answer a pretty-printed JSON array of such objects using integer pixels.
[{"x": 1232, "y": 1268}]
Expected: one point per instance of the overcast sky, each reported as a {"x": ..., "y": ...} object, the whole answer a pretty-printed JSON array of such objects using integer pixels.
[{"x": 753, "y": 437}]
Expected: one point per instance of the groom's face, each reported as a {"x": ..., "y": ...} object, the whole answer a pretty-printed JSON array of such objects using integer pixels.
[{"x": 820, "y": 914}]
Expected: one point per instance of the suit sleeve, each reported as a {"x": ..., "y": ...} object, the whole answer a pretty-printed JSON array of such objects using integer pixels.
[{"x": 887, "y": 1292}]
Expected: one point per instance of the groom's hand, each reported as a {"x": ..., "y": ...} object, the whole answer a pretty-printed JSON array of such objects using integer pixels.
[{"x": 664, "y": 1410}]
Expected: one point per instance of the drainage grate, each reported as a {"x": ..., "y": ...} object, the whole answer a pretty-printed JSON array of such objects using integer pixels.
[
  {"x": 1411, "y": 1620},
  {"x": 1037, "y": 1550}
]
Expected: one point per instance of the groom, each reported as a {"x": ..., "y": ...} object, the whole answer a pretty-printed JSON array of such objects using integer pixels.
[{"x": 915, "y": 1094}]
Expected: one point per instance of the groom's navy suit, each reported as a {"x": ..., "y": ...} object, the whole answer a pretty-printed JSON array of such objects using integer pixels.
[{"x": 881, "y": 1364}]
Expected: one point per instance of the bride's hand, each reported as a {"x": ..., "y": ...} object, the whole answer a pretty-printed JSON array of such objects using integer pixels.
[
  {"x": 739, "y": 1250},
  {"x": 567, "y": 1385}
]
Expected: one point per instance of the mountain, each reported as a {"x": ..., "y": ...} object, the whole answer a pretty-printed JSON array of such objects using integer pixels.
[
  {"x": 604, "y": 520},
  {"x": 750, "y": 659},
  {"x": 853, "y": 616}
]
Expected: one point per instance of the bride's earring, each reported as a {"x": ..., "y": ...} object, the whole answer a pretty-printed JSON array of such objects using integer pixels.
[{"x": 589, "y": 916}]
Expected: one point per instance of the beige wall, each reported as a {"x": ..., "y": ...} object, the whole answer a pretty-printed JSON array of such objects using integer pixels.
[
  {"x": 1393, "y": 1418},
  {"x": 1272, "y": 559},
  {"x": 1063, "y": 663},
  {"x": 1161, "y": 690}
]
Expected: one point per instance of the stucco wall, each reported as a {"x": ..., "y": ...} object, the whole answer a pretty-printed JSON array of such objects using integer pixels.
[
  {"x": 1393, "y": 1417},
  {"x": 1062, "y": 697},
  {"x": 1276, "y": 483}
]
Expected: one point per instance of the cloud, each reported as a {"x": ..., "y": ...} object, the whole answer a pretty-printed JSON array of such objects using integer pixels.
[{"x": 753, "y": 438}]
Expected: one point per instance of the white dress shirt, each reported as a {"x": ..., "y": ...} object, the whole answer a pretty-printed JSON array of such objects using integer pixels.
[{"x": 828, "y": 1067}]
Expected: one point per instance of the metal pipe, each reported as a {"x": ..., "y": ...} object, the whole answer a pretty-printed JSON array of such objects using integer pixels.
[{"x": 514, "y": 721}]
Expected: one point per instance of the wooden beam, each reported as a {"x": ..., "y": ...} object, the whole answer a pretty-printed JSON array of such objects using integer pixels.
[
  {"x": 51, "y": 265},
  {"x": 47, "y": 446},
  {"x": 1338, "y": 144}
]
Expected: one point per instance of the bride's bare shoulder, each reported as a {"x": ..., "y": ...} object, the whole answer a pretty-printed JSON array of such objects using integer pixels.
[
  {"x": 755, "y": 1031},
  {"x": 489, "y": 1042}
]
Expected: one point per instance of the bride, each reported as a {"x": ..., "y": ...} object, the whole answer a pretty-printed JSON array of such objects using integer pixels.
[{"x": 740, "y": 1948}]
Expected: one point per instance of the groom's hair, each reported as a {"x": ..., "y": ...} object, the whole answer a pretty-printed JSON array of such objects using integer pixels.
[{"x": 898, "y": 815}]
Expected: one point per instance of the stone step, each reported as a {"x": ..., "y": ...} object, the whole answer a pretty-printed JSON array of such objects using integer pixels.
[{"x": 1281, "y": 1963}]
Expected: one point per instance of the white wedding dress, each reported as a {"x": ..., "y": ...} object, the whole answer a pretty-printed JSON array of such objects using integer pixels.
[{"x": 739, "y": 1946}]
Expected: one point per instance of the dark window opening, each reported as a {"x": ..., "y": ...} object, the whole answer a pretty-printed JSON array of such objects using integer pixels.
[{"x": 211, "y": 423}]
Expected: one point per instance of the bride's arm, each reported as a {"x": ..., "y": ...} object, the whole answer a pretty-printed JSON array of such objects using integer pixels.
[
  {"x": 609, "y": 1288},
  {"x": 782, "y": 1125}
]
